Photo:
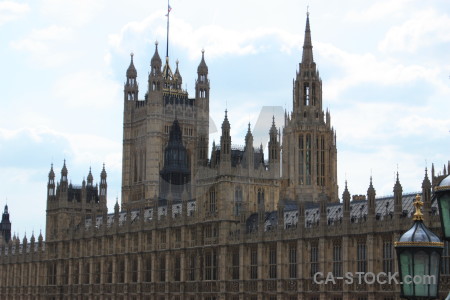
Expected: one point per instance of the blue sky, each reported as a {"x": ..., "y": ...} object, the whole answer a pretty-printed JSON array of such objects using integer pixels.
[{"x": 385, "y": 67}]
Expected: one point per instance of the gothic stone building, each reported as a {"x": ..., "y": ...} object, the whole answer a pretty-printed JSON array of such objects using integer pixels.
[{"x": 227, "y": 224}]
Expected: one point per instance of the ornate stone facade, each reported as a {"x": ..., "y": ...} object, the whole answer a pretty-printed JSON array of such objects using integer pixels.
[{"x": 234, "y": 226}]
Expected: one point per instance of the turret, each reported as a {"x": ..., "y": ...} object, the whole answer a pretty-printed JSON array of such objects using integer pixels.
[
  {"x": 346, "y": 202},
  {"x": 51, "y": 191},
  {"x": 103, "y": 185},
  {"x": 426, "y": 193},
  {"x": 155, "y": 76},
  {"x": 63, "y": 185},
  {"x": 178, "y": 80},
  {"x": 308, "y": 85},
  {"x": 90, "y": 178},
  {"x": 249, "y": 151},
  {"x": 5, "y": 225},
  {"x": 371, "y": 200},
  {"x": 225, "y": 142},
  {"x": 202, "y": 83},
  {"x": 131, "y": 88},
  {"x": 274, "y": 150},
  {"x": 202, "y": 102},
  {"x": 398, "y": 190}
]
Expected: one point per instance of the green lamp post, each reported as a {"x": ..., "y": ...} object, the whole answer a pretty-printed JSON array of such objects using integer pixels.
[
  {"x": 419, "y": 254},
  {"x": 442, "y": 195}
]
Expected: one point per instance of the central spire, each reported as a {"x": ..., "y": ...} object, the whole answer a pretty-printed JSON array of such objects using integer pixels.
[{"x": 307, "y": 56}]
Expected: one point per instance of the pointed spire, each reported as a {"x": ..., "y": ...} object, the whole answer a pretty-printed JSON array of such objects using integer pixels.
[
  {"x": 249, "y": 135},
  {"x": 177, "y": 71},
  {"x": 307, "y": 57},
  {"x": 90, "y": 178},
  {"x": 64, "y": 172},
  {"x": 116, "y": 206},
  {"x": 131, "y": 71},
  {"x": 155, "y": 63},
  {"x": 273, "y": 129},
  {"x": 397, "y": 186},
  {"x": 202, "y": 67},
  {"x": 51, "y": 174},
  {"x": 103, "y": 173},
  {"x": 371, "y": 199},
  {"x": 226, "y": 123}
]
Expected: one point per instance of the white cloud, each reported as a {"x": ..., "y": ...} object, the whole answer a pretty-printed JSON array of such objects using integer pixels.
[
  {"x": 368, "y": 68},
  {"x": 87, "y": 89},
  {"x": 217, "y": 40},
  {"x": 43, "y": 45},
  {"x": 73, "y": 12},
  {"x": 423, "y": 29},
  {"x": 10, "y": 11},
  {"x": 377, "y": 11}
]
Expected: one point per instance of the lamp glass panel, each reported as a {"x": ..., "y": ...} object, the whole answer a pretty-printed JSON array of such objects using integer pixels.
[
  {"x": 406, "y": 269},
  {"x": 434, "y": 273},
  {"x": 421, "y": 268},
  {"x": 445, "y": 211}
]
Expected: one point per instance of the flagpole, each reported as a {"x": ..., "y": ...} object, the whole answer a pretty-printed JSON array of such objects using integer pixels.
[{"x": 168, "y": 15}]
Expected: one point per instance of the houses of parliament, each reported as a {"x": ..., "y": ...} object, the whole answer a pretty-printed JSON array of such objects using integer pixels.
[{"x": 219, "y": 223}]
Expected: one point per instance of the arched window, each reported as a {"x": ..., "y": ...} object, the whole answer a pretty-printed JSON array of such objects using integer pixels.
[
  {"x": 237, "y": 201},
  {"x": 260, "y": 197},
  {"x": 212, "y": 201}
]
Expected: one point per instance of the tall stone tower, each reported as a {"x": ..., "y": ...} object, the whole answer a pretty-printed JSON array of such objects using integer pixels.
[
  {"x": 5, "y": 226},
  {"x": 147, "y": 124},
  {"x": 309, "y": 160}
]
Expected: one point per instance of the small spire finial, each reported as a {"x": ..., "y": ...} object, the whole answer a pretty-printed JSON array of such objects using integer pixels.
[{"x": 307, "y": 10}]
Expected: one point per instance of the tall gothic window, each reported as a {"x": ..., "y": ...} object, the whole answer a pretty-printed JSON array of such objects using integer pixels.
[
  {"x": 388, "y": 258},
  {"x": 361, "y": 256},
  {"x": 308, "y": 159},
  {"x": 211, "y": 265},
  {"x": 320, "y": 160},
  {"x": 177, "y": 268},
  {"x": 301, "y": 159},
  {"x": 148, "y": 269},
  {"x": 237, "y": 201},
  {"x": 51, "y": 273},
  {"x": 273, "y": 261},
  {"x": 337, "y": 259},
  {"x": 306, "y": 94},
  {"x": 109, "y": 271},
  {"x": 134, "y": 270},
  {"x": 260, "y": 197},
  {"x": 162, "y": 268},
  {"x": 235, "y": 264},
  {"x": 86, "y": 272},
  {"x": 97, "y": 272},
  {"x": 254, "y": 263},
  {"x": 76, "y": 273},
  {"x": 292, "y": 261},
  {"x": 212, "y": 201},
  {"x": 314, "y": 259},
  {"x": 192, "y": 267},
  {"x": 121, "y": 271}
]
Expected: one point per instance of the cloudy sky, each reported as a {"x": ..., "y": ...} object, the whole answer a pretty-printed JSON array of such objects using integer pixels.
[{"x": 385, "y": 67}]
